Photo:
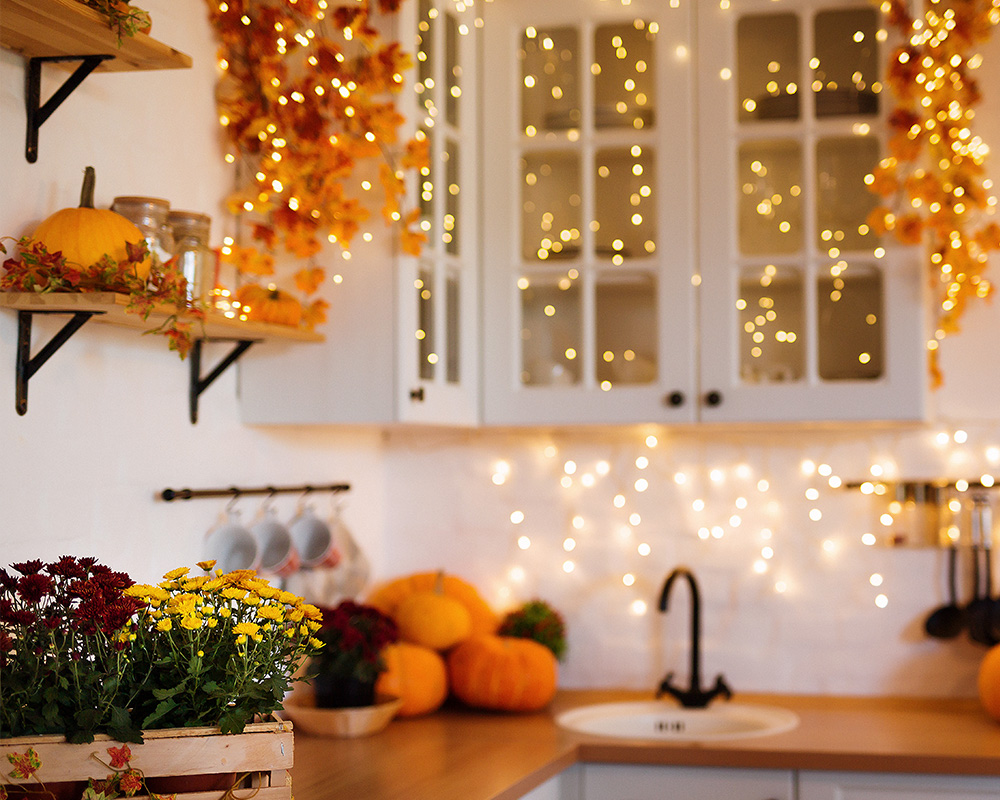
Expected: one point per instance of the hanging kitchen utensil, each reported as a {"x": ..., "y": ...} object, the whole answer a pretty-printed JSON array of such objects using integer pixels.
[
  {"x": 980, "y": 608},
  {"x": 990, "y": 633},
  {"x": 947, "y": 621}
]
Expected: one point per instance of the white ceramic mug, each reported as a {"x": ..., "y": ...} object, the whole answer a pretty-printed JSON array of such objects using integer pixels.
[
  {"x": 313, "y": 539},
  {"x": 278, "y": 555},
  {"x": 230, "y": 544}
]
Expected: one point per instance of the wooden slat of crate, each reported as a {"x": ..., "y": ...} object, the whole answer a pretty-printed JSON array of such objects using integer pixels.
[{"x": 263, "y": 747}]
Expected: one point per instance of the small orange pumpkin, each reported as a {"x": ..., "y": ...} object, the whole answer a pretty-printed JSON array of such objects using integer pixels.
[
  {"x": 387, "y": 597},
  {"x": 502, "y": 673},
  {"x": 86, "y": 234},
  {"x": 415, "y": 674},
  {"x": 433, "y": 619},
  {"x": 269, "y": 304},
  {"x": 989, "y": 682}
]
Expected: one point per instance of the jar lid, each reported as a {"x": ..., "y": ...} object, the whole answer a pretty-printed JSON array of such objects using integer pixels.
[
  {"x": 139, "y": 209},
  {"x": 190, "y": 221}
]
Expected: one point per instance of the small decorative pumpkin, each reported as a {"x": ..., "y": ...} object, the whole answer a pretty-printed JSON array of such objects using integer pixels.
[
  {"x": 86, "y": 234},
  {"x": 989, "y": 682},
  {"x": 537, "y": 620},
  {"x": 269, "y": 304},
  {"x": 502, "y": 673},
  {"x": 415, "y": 674},
  {"x": 433, "y": 619},
  {"x": 388, "y": 596}
]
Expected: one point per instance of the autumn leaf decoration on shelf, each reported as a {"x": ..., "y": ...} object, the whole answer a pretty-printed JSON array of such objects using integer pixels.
[
  {"x": 934, "y": 174},
  {"x": 124, "y": 19},
  {"x": 32, "y": 268},
  {"x": 305, "y": 99}
]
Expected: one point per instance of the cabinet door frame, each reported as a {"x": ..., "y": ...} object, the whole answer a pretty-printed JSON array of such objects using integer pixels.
[
  {"x": 437, "y": 400},
  {"x": 890, "y": 786},
  {"x": 901, "y": 392},
  {"x": 505, "y": 399}
]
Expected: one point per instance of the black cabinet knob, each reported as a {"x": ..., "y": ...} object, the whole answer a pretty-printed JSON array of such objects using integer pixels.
[
  {"x": 713, "y": 398},
  {"x": 417, "y": 395},
  {"x": 674, "y": 399}
]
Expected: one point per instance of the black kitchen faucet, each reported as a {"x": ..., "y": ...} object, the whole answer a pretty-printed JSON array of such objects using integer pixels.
[{"x": 694, "y": 696}]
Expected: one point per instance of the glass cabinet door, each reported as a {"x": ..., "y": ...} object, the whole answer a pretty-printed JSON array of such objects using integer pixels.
[
  {"x": 437, "y": 312},
  {"x": 588, "y": 260},
  {"x": 806, "y": 313}
]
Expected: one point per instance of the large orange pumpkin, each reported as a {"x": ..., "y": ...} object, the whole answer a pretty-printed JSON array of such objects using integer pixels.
[
  {"x": 502, "y": 673},
  {"x": 387, "y": 597},
  {"x": 415, "y": 674},
  {"x": 989, "y": 682},
  {"x": 86, "y": 234}
]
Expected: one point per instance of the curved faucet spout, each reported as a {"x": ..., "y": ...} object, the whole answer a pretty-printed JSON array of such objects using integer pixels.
[{"x": 693, "y": 696}]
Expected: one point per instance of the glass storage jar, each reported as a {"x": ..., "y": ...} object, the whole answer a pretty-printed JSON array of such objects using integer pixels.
[
  {"x": 151, "y": 216},
  {"x": 195, "y": 259}
]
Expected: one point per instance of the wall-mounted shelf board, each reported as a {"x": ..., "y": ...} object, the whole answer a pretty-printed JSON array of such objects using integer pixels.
[
  {"x": 66, "y": 28},
  {"x": 109, "y": 307}
]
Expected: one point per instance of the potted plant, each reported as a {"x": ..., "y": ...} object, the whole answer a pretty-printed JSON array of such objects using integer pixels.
[
  {"x": 89, "y": 656},
  {"x": 344, "y": 673}
]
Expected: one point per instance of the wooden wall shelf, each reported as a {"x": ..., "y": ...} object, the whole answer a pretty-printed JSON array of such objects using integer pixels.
[
  {"x": 65, "y": 31},
  {"x": 109, "y": 307},
  {"x": 68, "y": 29}
]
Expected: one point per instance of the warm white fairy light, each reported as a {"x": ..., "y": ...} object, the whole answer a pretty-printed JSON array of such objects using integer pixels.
[
  {"x": 577, "y": 522},
  {"x": 763, "y": 485},
  {"x": 517, "y": 574},
  {"x": 962, "y": 485},
  {"x": 780, "y": 587},
  {"x": 812, "y": 494},
  {"x": 651, "y": 441},
  {"x": 718, "y": 531},
  {"x": 634, "y": 519},
  {"x": 835, "y": 482},
  {"x": 643, "y": 549},
  {"x": 628, "y": 579},
  {"x": 680, "y": 478},
  {"x": 875, "y": 579},
  {"x": 881, "y": 600},
  {"x": 960, "y": 437},
  {"x": 986, "y": 480},
  {"x": 641, "y": 485},
  {"x": 602, "y": 468},
  {"x": 569, "y": 467},
  {"x": 568, "y": 566},
  {"x": 825, "y": 470},
  {"x": 566, "y": 481},
  {"x": 741, "y": 503},
  {"x": 876, "y": 470},
  {"x": 517, "y": 517},
  {"x": 808, "y": 467},
  {"x": 698, "y": 505},
  {"x": 717, "y": 476},
  {"x": 619, "y": 501},
  {"x": 641, "y": 462},
  {"x": 942, "y": 438},
  {"x": 868, "y": 539},
  {"x": 704, "y": 533},
  {"x": 760, "y": 566},
  {"x": 815, "y": 514},
  {"x": 569, "y": 544},
  {"x": 638, "y": 607},
  {"x": 523, "y": 542}
]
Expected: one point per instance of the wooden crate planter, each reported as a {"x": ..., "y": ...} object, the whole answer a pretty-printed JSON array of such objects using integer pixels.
[{"x": 262, "y": 753}]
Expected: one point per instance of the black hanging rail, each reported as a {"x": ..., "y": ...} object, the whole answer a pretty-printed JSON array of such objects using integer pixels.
[{"x": 169, "y": 495}]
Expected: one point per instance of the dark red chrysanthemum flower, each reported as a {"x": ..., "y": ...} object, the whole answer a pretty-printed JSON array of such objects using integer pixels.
[
  {"x": 34, "y": 587},
  {"x": 28, "y": 567}
]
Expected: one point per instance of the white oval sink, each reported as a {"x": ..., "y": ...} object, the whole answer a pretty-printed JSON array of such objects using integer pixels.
[{"x": 655, "y": 719}]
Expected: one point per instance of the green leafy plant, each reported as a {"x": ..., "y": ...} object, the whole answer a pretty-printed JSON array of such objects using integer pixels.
[
  {"x": 537, "y": 620},
  {"x": 124, "y": 19}
]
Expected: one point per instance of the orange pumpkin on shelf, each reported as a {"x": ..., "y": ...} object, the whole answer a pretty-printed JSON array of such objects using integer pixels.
[
  {"x": 269, "y": 304},
  {"x": 502, "y": 673},
  {"x": 84, "y": 235},
  {"x": 387, "y": 597},
  {"x": 415, "y": 674}
]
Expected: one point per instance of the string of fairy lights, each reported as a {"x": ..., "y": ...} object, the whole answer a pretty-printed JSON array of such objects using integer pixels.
[{"x": 738, "y": 503}]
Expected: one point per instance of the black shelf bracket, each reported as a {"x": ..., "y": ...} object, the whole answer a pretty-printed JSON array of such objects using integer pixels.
[
  {"x": 198, "y": 383},
  {"x": 28, "y": 366},
  {"x": 37, "y": 111}
]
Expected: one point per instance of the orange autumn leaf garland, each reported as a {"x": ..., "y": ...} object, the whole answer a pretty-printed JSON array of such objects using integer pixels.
[
  {"x": 305, "y": 98},
  {"x": 934, "y": 172}
]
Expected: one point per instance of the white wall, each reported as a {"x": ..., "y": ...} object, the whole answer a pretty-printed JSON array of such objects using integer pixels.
[{"x": 107, "y": 428}]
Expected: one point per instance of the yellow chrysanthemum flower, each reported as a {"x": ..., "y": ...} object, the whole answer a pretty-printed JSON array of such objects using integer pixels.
[
  {"x": 295, "y": 615},
  {"x": 246, "y": 628},
  {"x": 212, "y": 622},
  {"x": 251, "y": 600},
  {"x": 164, "y": 624},
  {"x": 271, "y": 612},
  {"x": 174, "y": 574},
  {"x": 241, "y": 639},
  {"x": 213, "y": 585},
  {"x": 313, "y": 625},
  {"x": 288, "y": 598},
  {"x": 316, "y": 644},
  {"x": 311, "y": 611},
  {"x": 232, "y": 593},
  {"x": 206, "y": 565},
  {"x": 225, "y": 612},
  {"x": 191, "y": 622}
]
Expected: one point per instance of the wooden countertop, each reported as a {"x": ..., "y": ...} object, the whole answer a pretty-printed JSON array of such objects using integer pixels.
[{"x": 457, "y": 754}]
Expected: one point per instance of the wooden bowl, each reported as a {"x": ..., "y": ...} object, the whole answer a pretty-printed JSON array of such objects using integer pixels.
[{"x": 341, "y": 722}]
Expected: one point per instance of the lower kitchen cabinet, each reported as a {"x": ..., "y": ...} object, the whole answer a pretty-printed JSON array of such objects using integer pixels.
[
  {"x": 884, "y": 786},
  {"x": 614, "y": 782}
]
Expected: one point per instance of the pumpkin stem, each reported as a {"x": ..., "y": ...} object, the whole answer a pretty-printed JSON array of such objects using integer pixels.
[
  {"x": 439, "y": 583},
  {"x": 87, "y": 193}
]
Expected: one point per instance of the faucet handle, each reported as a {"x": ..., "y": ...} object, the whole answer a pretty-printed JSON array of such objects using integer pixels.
[{"x": 721, "y": 687}]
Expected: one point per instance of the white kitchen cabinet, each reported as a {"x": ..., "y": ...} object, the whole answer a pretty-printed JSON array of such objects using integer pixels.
[
  {"x": 402, "y": 335},
  {"x": 675, "y": 223},
  {"x": 618, "y": 782},
  {"x": 884, "y": 786}
]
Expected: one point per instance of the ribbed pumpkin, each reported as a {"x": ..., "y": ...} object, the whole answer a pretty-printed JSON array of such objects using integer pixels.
[
  {"x": 86, "y": 234},
  {"x": 433, "y": 619},
  {"x": 415, "y": 674},
  {"x": 387, "y": 597},
  {"x": 989, "y": 682},
  {"x": 269, "y": 305},
  {"x": 502, "y": 673}
]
